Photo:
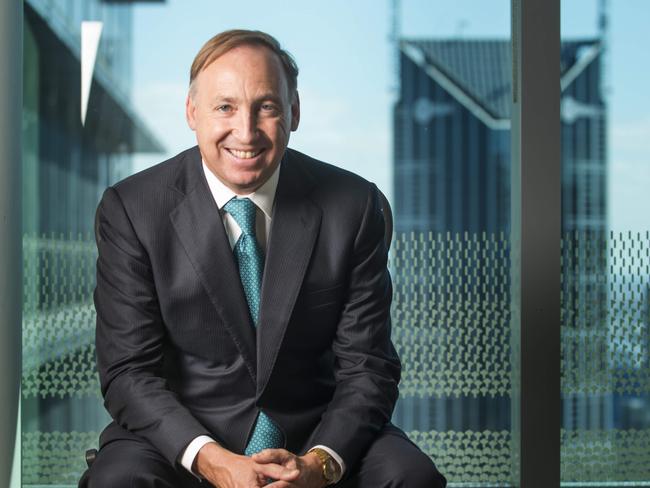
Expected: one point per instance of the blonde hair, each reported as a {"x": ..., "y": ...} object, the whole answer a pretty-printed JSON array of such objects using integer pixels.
[{"x": 230, "y": 39}]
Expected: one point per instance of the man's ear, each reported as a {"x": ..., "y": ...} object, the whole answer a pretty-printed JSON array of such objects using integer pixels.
[
  {"x": 190, "y": 110},
  {"x": 295, "y": 112}
]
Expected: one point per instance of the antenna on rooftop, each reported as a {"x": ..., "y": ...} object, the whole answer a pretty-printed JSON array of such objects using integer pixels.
[
  {"x": 603, "y": 36},
  {"x": 603, "y": 17},
  {"x": 461, "y": 27},
  {"x": 395, "y": 34}
]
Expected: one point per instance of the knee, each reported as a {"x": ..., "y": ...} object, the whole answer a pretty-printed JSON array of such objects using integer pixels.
[
  {"x": 124, "y": 477},
  {"x": 393, "y": 461},
  {"x": 102, "y": 476},
  {"x": 129, "y": 465},
  {"x": 418, "y": 472}
]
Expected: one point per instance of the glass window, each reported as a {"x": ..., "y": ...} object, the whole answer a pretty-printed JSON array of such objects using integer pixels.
[
  {"x": 450, "y": 256},
  {"x": 605, "y": 245}
]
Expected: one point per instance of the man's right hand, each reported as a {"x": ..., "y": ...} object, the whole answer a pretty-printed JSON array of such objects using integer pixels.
[{"x": 225, "y": 469}]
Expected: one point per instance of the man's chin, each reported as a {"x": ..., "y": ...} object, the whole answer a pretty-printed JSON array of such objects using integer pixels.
[
  {"x": 242, "y": 180},
  {"x": 247, "y": 184}
]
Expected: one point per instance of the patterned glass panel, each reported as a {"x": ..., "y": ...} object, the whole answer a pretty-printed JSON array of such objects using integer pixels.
[
  {"x": 450, "y": 259},
  {"x": 70, "y": 154},
  {"x": 59, "y": 317},
  {"x": 606, "y": 246},
  {"x": 59, "y": 370},
  {"x": 605, "y": 360},
  {"x": 451, "y": 327}
]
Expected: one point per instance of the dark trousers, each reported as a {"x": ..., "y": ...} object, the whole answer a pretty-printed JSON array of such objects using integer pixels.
[{"x": 391, "y": 461}]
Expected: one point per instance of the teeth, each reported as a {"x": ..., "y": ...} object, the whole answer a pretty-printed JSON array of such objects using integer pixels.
[{"x": 244, "y": 154}]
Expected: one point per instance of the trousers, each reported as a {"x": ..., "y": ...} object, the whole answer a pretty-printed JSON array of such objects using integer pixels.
[{"x": 391, "y": 461}]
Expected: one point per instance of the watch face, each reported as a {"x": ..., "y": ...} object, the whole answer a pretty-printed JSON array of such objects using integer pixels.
[{"x": 330, "y": 469}]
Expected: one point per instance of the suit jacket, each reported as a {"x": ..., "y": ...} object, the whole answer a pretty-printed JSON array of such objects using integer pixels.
[{"x": 176, "y": 352}]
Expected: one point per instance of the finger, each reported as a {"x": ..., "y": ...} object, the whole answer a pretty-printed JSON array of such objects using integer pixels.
[
  {"x": 280, "y": 484},
  {"x": 279, "y": 456},
  {"x": 277, "y": 471}
]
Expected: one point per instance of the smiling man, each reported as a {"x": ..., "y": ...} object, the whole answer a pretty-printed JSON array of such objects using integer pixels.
[{"x": 243, "y": 328}]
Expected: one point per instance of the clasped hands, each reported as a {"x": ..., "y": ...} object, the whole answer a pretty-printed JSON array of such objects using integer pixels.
[{"x": 225, "y": 469}]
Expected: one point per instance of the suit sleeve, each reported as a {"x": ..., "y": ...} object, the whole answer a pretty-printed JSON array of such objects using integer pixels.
[
  {"x": 367, "y": 368},
  {"x": 130, "y": 335}
]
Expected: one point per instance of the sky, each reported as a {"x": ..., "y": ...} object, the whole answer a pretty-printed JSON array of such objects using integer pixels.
[{"x": 347, "y": 75}]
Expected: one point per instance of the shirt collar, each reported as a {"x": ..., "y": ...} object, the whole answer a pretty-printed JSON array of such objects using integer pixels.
[{"x": 263, "y": 197}]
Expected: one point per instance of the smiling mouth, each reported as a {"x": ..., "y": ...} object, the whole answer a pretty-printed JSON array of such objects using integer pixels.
[{"x": 245, "y": 154}]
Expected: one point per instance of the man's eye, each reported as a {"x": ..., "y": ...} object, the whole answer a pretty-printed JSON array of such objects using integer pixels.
[
  {"x": 224, "y": 108},
  {"x": 269, "y": 107}
]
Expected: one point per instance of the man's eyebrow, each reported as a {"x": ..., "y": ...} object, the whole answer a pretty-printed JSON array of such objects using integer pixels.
[
  {"x": 270, "y": 96},
  {"x": 265, "y": 96},
  {"x": 219, "y": 99}
]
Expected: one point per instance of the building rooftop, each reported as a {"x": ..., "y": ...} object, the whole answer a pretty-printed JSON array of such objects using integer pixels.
[{"x": 479, "y": 70}]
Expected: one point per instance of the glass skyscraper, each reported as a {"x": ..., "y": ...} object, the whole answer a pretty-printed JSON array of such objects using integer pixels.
[{"x": 452, "y": 136}]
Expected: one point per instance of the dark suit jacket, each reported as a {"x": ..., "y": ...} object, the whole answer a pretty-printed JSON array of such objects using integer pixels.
[{"x": 176, "y": 352}]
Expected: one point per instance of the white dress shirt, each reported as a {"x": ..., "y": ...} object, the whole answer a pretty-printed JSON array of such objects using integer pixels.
[{"x": 263, "y": 198}]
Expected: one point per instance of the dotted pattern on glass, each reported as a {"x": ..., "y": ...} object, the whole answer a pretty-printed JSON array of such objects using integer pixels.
[
  {"x": 451, "y": 313},
  {"x": 468, "y": 457},
  {"x": 59, "y": 316},
  {"x": 605, "y": 355},
  {"x": 450, "y": 326},
  {"x": 55, "y": 458}
]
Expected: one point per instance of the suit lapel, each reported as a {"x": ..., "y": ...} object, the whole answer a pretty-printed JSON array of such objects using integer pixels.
[
  {"x": 200, "y": 229},
  {"x": 294, "y": 228}
]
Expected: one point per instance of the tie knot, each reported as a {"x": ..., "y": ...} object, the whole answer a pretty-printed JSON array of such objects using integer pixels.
[{"x": 243, "y": 211}]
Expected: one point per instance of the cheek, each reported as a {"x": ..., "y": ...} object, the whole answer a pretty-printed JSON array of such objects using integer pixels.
[
  {"x": 211, "y": 132},
  {"x": 281, "y": 129},
  {"x": 205, "y": 141}
]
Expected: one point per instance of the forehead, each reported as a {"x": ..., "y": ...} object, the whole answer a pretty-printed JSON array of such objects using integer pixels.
[{"x": 244, "y": 66}]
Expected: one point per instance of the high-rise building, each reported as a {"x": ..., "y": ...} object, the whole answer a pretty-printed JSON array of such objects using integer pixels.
[
  {"x": 452, "y": 136},
  {"x": 452, "y": 180},
  {"x": 69, "y": 161}
]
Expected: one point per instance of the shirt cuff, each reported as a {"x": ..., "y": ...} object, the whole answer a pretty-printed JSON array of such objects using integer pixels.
[
  {"x": 336, "y": 457},
  {"x": 192, "y": 449}
]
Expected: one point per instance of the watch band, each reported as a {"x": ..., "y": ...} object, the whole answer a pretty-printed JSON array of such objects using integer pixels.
[{"x": 331, "y": 468}]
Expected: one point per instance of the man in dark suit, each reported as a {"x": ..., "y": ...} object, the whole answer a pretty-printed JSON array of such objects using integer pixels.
[{"x": 243, "y": 329}]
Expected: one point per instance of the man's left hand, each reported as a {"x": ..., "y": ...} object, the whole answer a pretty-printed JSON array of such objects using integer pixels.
[{"x": 309, "y": 466}]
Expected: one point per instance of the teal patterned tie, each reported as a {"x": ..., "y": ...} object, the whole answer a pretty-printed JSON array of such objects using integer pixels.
[{"x": 250, "y": 260}]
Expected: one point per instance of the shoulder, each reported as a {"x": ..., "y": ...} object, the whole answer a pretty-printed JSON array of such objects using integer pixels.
[
  {"x": 333, "y": 187},
  {"x": 329, "y": 181},
  {"x": 325, "y": 172},
  {"x": 159, "y": 176},
  {"x": 149, "y": 195},
  {"x": 350, "y": 205}
]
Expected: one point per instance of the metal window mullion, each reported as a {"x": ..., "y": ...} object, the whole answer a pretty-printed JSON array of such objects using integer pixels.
[
  {"x": 11, "y": 70},
  {"x": 536, "y": 220}
]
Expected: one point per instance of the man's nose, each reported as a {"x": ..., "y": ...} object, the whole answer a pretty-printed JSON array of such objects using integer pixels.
[{"x": 246, "y": 126}]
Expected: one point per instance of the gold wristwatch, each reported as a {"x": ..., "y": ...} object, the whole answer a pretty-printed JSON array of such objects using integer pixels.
[{"x": 331, "y": 468}]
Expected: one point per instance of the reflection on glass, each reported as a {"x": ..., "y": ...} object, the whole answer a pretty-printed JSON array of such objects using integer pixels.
[
  {"x": 66, "y": 167},
  {"x": 451, "y": 259},
  {"x": 605, "y": 434}
]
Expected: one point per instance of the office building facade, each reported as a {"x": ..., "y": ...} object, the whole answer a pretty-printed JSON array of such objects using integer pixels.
[{"x": 452, "y": 181}]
